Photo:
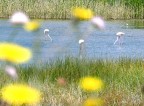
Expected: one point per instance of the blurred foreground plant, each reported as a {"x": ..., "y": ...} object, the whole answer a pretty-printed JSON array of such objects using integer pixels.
[
  {"x": 11, "y": 71},
  {"x": 88, "y": 84},
  {"x": 93, "y": 102},
  {"x": 32, "y": 26},
  {"x": 81, "y": 14},
  {"x": 20, "y": 94},
  {"x": 91, "y": 84},
  {"x": 14, "y": 53},
  {"x": 19, "y": 18}
]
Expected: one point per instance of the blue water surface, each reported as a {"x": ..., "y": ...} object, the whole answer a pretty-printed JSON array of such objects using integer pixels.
[{"x": 98, "y": 43}]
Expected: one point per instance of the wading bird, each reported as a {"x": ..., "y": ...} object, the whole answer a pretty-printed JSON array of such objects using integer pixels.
[
  {"x": 47, "y": 35},
  {"x": 119, "y": 37}
]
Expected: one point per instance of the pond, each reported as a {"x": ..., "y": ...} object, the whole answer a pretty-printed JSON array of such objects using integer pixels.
[{"x": 98, "y": 43}]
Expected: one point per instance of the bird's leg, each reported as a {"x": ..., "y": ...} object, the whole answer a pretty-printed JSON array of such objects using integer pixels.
[
  {"x": 120, "y": 40},
  {"x": 49, "y": 37},
  {"x": 116, "y": 40},
  {"x": 81, "y": 51}
]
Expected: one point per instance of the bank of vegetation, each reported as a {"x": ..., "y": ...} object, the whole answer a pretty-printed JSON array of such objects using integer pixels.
[
  {"x": 61, "y": 9},
  {"x": 123, "y": 80}
]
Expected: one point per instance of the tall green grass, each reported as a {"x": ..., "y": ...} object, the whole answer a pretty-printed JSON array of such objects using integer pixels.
[
  {"x": 61, "y": 9},
  {"x": 123, "y": 80}
]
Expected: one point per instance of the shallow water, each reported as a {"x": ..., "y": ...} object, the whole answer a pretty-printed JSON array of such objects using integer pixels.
[{"x": 98, "y": 43}]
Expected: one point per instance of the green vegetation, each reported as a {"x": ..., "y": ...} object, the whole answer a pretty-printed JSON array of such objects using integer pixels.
[
  {"x": 60, "y": 9},
  {"x": 123, "y": 80}
]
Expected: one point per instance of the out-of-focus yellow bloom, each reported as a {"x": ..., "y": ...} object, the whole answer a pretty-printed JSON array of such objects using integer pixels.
[
  {"x": 18, "y": 94},
  {"x": 32, "y": 26},
  {"x": 82, "y": 13},
  {"x": 93, "y": 102},
  {"x": 14, "y": 53},
  {"x": 91, "y": 84}
]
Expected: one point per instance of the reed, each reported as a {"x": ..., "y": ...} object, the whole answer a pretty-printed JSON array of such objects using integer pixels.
[
  {"x": 123, "y": 80},
  {"x": 61, "y": 9}
]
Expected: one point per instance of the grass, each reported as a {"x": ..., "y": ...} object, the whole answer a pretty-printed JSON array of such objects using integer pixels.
[
  {"x": 61, "y": 9},
  {"x": 123, "y": 80}
]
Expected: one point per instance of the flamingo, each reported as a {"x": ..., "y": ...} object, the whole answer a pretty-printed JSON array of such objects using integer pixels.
[
  {"x": 119, "y": 35},
  {"x": 46, "y": 34}
]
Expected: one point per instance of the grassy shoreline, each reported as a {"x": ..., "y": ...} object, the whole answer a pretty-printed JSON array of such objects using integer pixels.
[
  {"x": 61, "y": 9},
  {"x": 123, "y": 80}
]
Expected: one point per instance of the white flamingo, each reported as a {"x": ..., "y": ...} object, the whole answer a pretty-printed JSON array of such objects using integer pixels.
[
  {"x": 119, "y": 36},
  {"x": 46, "y": 34}
]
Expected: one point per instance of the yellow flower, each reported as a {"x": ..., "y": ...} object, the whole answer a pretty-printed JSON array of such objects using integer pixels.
[
  {"x": 93, "y": 102},
  {"x": 82, "y": 13},
  {"x": 14, "y": 53},
  {"x": 32, "y": 26},
  {"x": 91, "y": 84},
  {"x": 18, "y": 94}
]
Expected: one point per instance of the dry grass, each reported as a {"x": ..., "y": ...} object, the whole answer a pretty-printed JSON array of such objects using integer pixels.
[
  {"x": 61, "y": 9},
  {"x": 123, "y": 80}
]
